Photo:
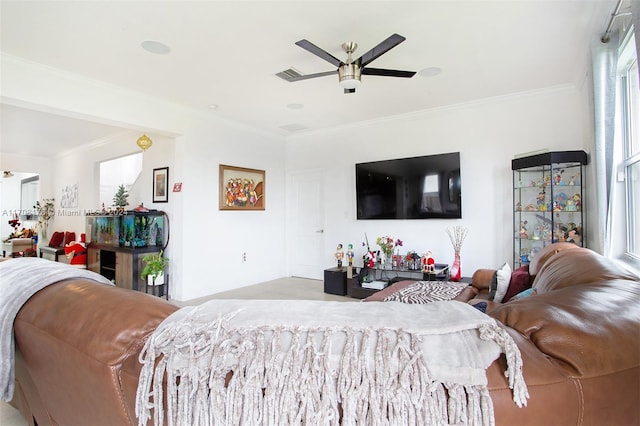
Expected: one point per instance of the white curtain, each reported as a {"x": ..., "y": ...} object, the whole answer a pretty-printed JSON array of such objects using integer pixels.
[
  {"x": 605, "y": 63},
  {"x": 635, "y": 19}
]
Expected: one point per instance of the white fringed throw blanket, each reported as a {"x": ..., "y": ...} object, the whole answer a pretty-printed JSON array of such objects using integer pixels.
[
  {"x": 19, "y": 280},
  {"x": 427, "y": 291},
  {"x": 295, "y": 362}
]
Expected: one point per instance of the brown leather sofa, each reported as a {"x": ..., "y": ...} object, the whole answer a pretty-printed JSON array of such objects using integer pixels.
[{"x": 78, "y": 342}]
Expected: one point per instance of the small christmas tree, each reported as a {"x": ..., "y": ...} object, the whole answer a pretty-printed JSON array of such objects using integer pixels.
[{"x": 120, "y": 199}]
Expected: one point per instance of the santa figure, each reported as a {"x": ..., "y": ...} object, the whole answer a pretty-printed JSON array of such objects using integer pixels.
[
  {"x": 428, "y": 262},
  {"x": 76, "y": 252},
  {"x": 370, "y": 259}
]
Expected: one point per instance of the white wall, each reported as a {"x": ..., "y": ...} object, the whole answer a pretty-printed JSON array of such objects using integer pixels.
[
  {"x": 214, "y": 240},
  {"x": 487, "y": 134},
  {"x": 207, "y": 244},
  {"x": 81, "y": 167}
]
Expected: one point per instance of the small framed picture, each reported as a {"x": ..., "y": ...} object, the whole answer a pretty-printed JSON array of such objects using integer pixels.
[
  {"x": 160, "y": 185},
  {"x": 241, "y": 188}
]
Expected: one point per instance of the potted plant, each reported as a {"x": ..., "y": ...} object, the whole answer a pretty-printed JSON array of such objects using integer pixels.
[{"x": 154, "y": 267}]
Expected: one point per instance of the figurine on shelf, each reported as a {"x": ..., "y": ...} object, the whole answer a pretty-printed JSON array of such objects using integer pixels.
[
  {"x": 518, "y": 206},
  {"x": 573, "y": 236},
  {"x": 577, "y": 201},
  {"x": 428, "y": 262},
  {"x": 571, "y": 205},
  {"x": 572, "y": 181},
  {"x": 540, "y": 202},
  {"x": 560, "y": 202},
  {"x": 369, "y": 259},
  {"x": 339, "y": 255},
  {"x": 350, "y": 254},
  {"x": 558, "y": 177},
  {"x": 524, "y": 234}
]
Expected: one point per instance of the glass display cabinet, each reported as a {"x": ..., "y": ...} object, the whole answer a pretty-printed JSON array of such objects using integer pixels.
[{"x": 548, "y": 202}]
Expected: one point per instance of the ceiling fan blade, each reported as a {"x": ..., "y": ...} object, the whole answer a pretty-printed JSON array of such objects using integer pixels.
[
  {"x": 307, "y": 45},
  {"x": 308, "y": 76},
  {"x": 388, "y": 73},
  {"x": 380, "y": 49},
  {"x": 349, "y": 91}
]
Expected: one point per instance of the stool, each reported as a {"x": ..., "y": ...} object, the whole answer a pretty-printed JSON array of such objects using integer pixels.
[{"x": 54, "y": 251}]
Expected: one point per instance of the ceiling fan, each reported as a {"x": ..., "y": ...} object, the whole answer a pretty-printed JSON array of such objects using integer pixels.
[{"x": 349, "y": 72}]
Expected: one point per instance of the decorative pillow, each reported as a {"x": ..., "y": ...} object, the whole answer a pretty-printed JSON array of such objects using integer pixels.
[
  {"x": 520, "y": 281},
  {"x": 528, "y": 292},
  {"x": 69, "y": 237},
  {"x": 481, "y": 306},
  {"x": 56, "y": 239},
  {"x": 503, "y": 277}
]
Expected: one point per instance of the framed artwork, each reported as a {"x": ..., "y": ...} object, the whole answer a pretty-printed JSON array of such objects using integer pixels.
[
  {"x": 69, "y": 198},
  {"x": 161, "y": 185},
  {"x": 241, "y": 188}
]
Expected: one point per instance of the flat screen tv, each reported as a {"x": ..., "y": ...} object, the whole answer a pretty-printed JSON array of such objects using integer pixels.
[{"x": 425, "y": 187}]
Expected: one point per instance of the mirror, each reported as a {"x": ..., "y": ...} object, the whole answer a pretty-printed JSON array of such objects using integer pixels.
[{"x": 29, "y": 195}]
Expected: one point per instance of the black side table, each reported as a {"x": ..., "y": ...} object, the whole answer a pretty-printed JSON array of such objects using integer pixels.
[{"x": 335, "y": 281}]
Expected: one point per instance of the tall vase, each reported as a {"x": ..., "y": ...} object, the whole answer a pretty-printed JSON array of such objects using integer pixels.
[
  {"x": 389, "y": 264},
  {"x": 454, "y": 273}
]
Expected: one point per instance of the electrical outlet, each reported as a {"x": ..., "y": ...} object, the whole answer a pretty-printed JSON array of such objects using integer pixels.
[{"x": 244, "y": 256}]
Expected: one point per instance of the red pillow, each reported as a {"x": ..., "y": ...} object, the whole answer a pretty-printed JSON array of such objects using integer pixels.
[
  {"x": 68, "y": 237},
  {"x": 520, "y": 281},
  {"x": 56, "y": 239}
]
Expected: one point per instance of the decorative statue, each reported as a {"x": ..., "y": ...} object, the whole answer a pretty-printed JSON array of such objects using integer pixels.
[
  {"x": 369, "y": 259},
  {"x": 76, "y": 252},
  {"x": 350, "y": 254},
  {"x": 339, "y": 255},
  {"x": 542, "y": 205},
  {"x": 428, "y": 262}
]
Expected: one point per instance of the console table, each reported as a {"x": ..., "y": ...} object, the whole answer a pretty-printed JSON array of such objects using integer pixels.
[{"x": 390, "y": 276}]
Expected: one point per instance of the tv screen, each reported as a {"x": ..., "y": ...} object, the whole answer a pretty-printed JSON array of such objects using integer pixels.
[{"x": 425, "y": 187}]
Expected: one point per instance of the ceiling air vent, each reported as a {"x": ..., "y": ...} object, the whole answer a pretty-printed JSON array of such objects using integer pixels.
[{"x": 289, "y": 74}]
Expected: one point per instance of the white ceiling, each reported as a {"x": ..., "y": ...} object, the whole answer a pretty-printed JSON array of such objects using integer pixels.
[{"x": 227, "y": 53}]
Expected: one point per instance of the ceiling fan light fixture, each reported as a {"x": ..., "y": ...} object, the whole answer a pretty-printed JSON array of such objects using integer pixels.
[{"x": 349, "y": 75}]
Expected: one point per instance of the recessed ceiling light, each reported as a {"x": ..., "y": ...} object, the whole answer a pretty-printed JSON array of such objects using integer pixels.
[
  {"x": 295, "y": 106},
  {"x": 212, "y": 106},
  {"x": 430, "y": 72},
  {"x": 155, "y": 47}
]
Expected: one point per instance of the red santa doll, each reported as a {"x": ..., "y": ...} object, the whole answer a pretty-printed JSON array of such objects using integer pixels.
[
  {"x": 428, "y": 262},
  {"x": 76, "y": 252}
]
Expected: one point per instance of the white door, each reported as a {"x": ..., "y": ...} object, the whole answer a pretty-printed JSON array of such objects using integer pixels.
[{"x": 305, "y": 224}]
